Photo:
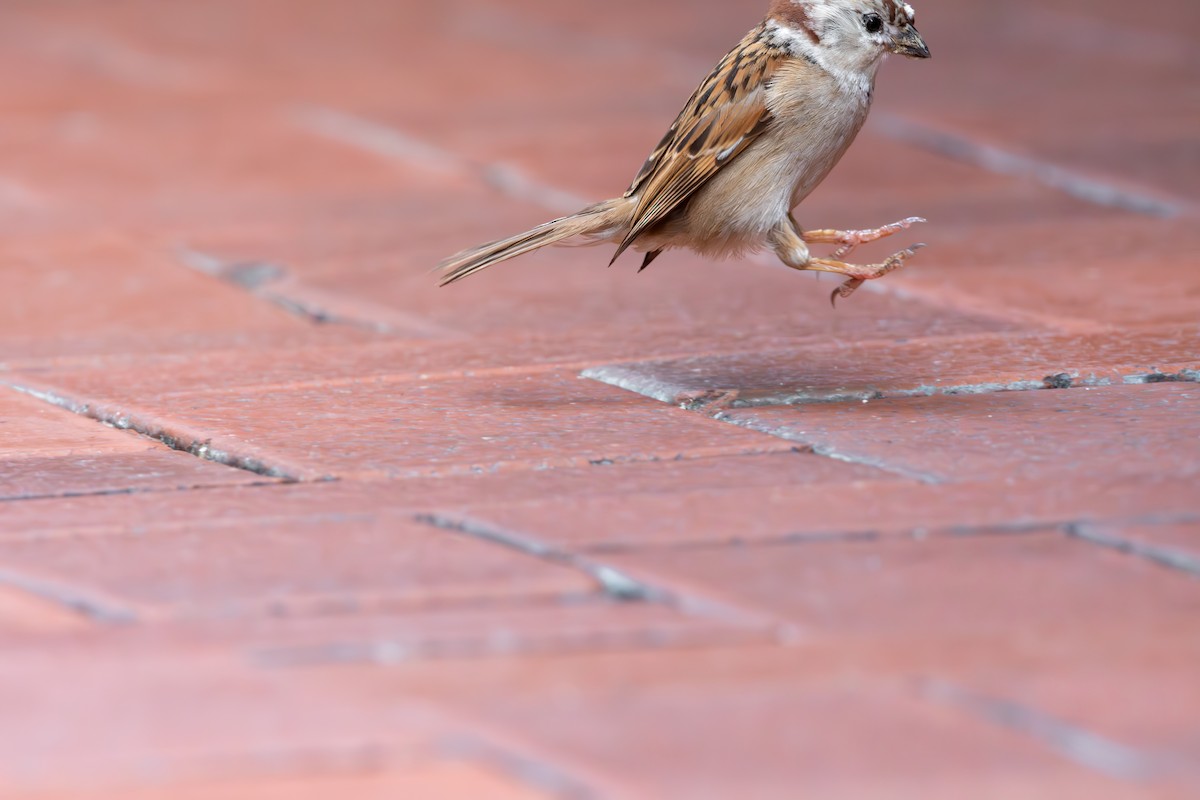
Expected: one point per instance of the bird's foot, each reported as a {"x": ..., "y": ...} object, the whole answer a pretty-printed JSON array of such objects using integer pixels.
[
  {"x": 859, "y": 274},
  {"x": 848, "y": 240}
]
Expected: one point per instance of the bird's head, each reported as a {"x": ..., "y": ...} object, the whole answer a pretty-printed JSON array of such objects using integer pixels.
[{"x": 853, "y": 34}]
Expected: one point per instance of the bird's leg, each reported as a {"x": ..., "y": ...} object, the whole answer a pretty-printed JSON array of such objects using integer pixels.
[
  {"x": 791, "y": 247},
  {"x": 848, "y": 240}
]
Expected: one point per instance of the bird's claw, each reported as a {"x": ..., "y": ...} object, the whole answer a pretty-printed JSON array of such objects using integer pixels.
[
  {"x": 864, "y": 274},
  {"x": 848, "y": 240}
]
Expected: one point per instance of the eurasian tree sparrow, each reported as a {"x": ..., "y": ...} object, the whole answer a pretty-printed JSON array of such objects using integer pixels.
[{"x": 760, "y": 133}]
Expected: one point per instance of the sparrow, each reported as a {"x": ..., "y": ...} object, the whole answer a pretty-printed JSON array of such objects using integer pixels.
[{"x": 755, "y": 138}]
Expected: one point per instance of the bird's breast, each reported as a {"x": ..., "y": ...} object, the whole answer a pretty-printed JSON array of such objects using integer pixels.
[{"x": 816, "y": 121}]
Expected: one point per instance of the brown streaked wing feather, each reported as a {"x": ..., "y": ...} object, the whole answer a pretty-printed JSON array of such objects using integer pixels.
[{"x": 724, "y": 115}]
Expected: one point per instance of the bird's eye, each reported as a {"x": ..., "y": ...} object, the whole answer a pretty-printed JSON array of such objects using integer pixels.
[{"x": 873, "y": 23}]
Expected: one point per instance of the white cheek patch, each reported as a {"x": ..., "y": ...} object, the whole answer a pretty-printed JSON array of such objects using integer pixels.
[{"x": 798, "y": 43}]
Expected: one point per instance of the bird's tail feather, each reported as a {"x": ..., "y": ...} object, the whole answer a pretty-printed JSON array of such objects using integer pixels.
[{"x": 599, "y": 220}]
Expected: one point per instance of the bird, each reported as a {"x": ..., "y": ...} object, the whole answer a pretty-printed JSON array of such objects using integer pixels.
[{"x": 764, "y": 128}]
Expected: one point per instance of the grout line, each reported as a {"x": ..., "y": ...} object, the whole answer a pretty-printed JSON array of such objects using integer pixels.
[
  {"x": 868, "y": 535},
  {"x": 71, "y": 599},
  {"x": 613, "y": 582},
  {"x": 381, "y": 140},
  {"x": 257, "y": 278},
  {"x": 630, "y": 377},
  {"x": 340, "y": 605},
  {"x": 180, "y": 441},
  {"x": 75, "y": 531},
  {"x": 398, "y": 146},
  {"x": 497, "y": 642},
  {"x": 197, "y": 487},
  {"x": 1183, "y": 376},
  {"x": 254, "y": 277},
  {"x": 818, "y": 450},
  {"x": 1162, "y": 556},
  {"x": 827, "y": 537},
  {"x": 598, "y": 460},
  {"x": 1060, "y": 381},
  {"x": 722, "y": 401},
  {"x": 825, "y": 451},
  {"x": 1084, "y": 747},
  {"x": 734, "y": 541},
  {"x": 1071, "y": 379},
  {"x": 545, "y": 776},
  {"x": 962, "y": 148}
]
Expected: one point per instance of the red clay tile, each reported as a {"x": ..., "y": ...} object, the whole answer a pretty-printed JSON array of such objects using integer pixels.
[
  {"x": 513, "y": 631},
  {"x": 453, "y": 781},
  {"x": 218, "y": 219},
  {"x": 378, "y": 502},
  {"x": 806, "y": 725},
  {"x": 129, "y": 715},
  {"x": 419, "y": 427},
  {"x": 1037, "y": 586},
  {"x": 1065, "y": 274},
  {"x": 962, "y": 365},
  {"x": 640, "y": 504},
  {"x": 21, "y": 612},
  {"x": 157, "y": 469},
  {"x": 1065, "y": 683},
  {"x": 215, "y": 369},
  {"x": 555, "y": 292},
  {"x": 110, "y": 294},
  {"x": 862, "y": 508},
  {"x": 333, "y": 563},
  {"x": 1005, "y": 436}
]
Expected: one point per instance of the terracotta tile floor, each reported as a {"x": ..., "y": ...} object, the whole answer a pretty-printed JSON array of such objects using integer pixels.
[{"x": 280, "y": 519}]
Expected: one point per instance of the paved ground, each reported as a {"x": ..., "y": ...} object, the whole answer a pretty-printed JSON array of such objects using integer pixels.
[{"x": 278, "y": 518}]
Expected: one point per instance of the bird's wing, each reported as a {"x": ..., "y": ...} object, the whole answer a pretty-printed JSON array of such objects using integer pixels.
[{"x": 725, "y": 114}]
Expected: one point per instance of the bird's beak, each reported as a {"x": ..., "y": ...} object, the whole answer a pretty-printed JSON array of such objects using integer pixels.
[{"x": 909, "y": 43}]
